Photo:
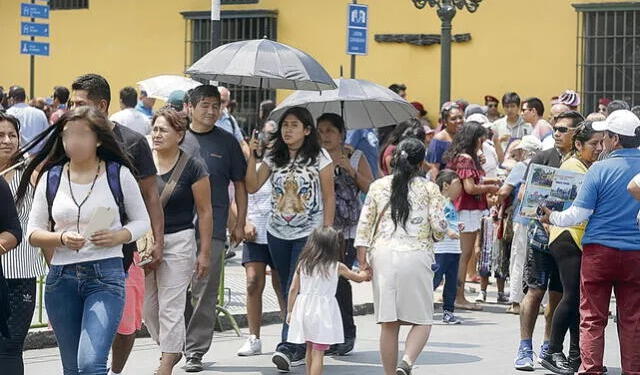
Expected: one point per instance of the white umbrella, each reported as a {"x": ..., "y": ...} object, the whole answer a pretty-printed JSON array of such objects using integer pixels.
[
  {"x": 361, "y": 103},
  {"x": 160, "y": 87},
  {"x": 262, "y": 63}
]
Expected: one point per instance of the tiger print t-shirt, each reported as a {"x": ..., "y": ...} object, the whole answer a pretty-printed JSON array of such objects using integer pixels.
[{"x": 296, "y": 197}]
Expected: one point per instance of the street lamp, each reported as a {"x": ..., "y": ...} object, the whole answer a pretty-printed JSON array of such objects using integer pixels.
[{"x": 446, "y": 12}]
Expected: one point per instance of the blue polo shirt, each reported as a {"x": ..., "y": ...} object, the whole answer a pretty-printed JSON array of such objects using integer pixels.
[
  {"x": 366, "y": 141},
  {"x": 604, "y": 190}
]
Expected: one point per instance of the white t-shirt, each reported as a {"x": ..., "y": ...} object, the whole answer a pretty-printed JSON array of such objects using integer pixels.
[
  {"x": 258, "y": 210},
  {"x": 65, "y": 214},
  {"x": 132, "y": 119},
  {"x": 491, "y": 165},
  {"x": 296, "y": 198}
]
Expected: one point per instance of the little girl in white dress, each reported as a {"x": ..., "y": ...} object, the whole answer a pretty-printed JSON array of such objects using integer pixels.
[{"x": 313, "y": 313}]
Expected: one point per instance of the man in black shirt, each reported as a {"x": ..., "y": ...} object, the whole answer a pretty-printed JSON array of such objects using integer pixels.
[
  {"x": 93, "y": 90},
  {"x": 225, "y": 162},
  {"x": 541, "y": 272}
]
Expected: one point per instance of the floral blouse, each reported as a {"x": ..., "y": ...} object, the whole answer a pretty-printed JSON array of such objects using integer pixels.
[{"x": 425, "y": 225}]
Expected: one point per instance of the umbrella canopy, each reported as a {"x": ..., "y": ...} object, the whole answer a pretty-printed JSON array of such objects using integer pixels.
[
  {"x": 262, "y": 63},
  {"x": 160, "y": 87},
  {"x": 361, "y": 103}
]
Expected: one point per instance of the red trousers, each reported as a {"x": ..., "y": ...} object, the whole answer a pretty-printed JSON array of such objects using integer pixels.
[{"x": 604, "y": 268}]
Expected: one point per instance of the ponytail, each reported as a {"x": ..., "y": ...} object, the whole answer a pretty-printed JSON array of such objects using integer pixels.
[{"x": 406, "y": 165}]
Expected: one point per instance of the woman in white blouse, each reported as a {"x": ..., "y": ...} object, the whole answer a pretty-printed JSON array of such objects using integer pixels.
[{"x": 81, "y": 221}]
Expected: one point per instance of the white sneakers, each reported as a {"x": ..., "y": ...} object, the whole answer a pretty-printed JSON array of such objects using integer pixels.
[{"x": 253, "y": 346}]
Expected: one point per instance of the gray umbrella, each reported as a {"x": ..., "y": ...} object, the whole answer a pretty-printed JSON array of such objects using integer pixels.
[
  {"x": 361, "y": 103},
  {"x": 262, "y": 63}
]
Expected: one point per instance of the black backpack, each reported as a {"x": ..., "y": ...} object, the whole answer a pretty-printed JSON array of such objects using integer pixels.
[{"x": 113, "y": 178}]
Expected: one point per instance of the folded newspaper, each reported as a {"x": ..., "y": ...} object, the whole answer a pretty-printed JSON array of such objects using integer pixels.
[{"x": 551, "y": 187}]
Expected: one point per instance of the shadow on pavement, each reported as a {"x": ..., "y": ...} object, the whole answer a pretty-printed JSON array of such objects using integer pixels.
[
  {"x": 328, "y": 369},
  {"x": 427, "y": 358}
]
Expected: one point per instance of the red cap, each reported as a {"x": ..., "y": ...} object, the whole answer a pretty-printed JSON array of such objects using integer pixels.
[
  {"x": 420, "y": 108},
  {"x": 604, "y": 101}
]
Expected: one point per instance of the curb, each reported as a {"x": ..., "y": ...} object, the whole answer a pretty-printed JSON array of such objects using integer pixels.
[{"x": 42, "y": 338}]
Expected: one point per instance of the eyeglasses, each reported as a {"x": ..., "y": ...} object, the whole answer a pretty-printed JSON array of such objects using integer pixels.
[{"x": 561, "y": 129}]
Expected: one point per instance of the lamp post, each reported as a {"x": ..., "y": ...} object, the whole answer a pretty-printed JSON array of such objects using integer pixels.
[{"x": 446, "y": 12}]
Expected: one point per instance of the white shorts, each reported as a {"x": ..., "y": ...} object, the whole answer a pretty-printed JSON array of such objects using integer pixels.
[{"x": 471, "y": 220}]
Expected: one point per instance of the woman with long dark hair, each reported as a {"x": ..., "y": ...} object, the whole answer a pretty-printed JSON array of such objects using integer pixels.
[
  {"x": 565, "y": 245},
  {"x": 403, "y": 215},
  {"x": 462, "y": 157},
  {"x": 24, "y": 264},
  {"x": 402, "y": 131},
  {"x": 302, "y": 199},
  {"x": 83, "y": 222},
  {"x": 451, "y": 119}
]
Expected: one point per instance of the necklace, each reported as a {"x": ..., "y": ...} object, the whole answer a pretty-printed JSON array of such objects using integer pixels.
[{"x": 86, "y": 197}]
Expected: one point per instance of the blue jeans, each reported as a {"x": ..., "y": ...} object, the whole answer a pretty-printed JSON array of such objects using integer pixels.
[
  {"x": 84, "y": 302},
  {"x": 447, "y": 266},
  {"x": 284, "y": 254}
]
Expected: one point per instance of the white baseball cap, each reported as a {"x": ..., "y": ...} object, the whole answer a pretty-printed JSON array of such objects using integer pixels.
[
  {"x": 529, "y": 143},
  {"x": 622, "y": 122},
  {"x": 479, "y": 118}
]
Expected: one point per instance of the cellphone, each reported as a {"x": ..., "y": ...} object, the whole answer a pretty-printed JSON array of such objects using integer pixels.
[{"x": 256, "y": 134}]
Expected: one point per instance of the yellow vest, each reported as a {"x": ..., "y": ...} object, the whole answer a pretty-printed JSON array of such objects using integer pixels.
[{"x": 577, "y": 231}]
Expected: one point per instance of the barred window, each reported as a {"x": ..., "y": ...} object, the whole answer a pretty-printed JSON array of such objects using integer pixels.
[
  {"x": 236, "y": 26},
  {"x": 68, "y": 4},
  {"x": 608, "y": 53}
]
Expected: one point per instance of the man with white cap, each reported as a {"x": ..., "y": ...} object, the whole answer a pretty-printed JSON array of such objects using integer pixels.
[{"x": 611, "y": 243}]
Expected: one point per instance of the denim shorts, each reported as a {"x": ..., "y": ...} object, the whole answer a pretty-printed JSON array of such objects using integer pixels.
[{"x": 256, "y": 252}]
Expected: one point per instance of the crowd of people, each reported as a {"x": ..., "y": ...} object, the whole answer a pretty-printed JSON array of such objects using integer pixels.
[{"x": 129, "y": 216}]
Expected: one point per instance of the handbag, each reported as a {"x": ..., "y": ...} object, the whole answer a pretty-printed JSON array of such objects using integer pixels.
[{"x": 145, "y": 243}]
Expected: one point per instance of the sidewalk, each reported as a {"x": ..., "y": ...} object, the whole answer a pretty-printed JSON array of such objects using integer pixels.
[{"x": 235, "y": 288}]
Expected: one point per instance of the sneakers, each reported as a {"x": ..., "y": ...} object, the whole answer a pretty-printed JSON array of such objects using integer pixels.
[
  {"x": 342, "y": 349},
  {"x": 524, "y": 360},
  {"x": 194, "y": 364},
  {"x": 482, "y": 296},
  {"x": 544, "y": 351},
  {"x": 253, "y": 346},
  {"x": 556, "y": 363},
  {"x": 503, "y": 299},
  {"x": 284, "y": 360},
  {"x": 449, "y": 318},
  {"x": 403, "y": 368}
]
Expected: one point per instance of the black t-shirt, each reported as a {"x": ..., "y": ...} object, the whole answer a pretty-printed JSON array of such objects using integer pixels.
[
  {"x": 551, "y": 158},
  {"x": 225, "y": 162},
  {"x": 179, "y": 211},
  {"x": 137, "y": 149},
  {"x": 9, "y": 221}
]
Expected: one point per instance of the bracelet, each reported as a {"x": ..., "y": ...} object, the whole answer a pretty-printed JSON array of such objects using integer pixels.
[
  {"x": 61, "y": 239},
  {"x": 4, "y": 249}
]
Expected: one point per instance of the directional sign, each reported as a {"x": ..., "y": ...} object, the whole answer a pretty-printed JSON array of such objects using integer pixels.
[
  {"x": 34, "y": 11},
  {"x": 34, "y": 48},
  {"x": 34, "y": 29},
  {"x": 357, "y": 29}
]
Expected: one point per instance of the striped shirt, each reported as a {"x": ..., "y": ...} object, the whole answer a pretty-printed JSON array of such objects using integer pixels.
[
  {"x": 449, "y": 245},
  {"x": 25, "y": 261}
]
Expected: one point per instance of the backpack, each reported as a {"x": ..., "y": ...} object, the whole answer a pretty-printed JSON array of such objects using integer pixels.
[
  {"x": 348, "y": 203},
  {"x": 113, "y": 178}
]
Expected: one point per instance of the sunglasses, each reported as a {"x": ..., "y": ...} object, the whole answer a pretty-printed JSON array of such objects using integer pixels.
[{"x": 561, "y": 129}]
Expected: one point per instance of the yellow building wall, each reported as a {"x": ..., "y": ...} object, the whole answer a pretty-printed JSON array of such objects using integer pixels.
[{"x": 528, "y": 46}]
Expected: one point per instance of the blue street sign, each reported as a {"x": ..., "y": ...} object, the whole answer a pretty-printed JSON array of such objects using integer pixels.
[
  {"x": 34, "y": 48},
  {"x": 34, "y": 11},
  {"x": 34, "y": 29},
  {"x": 357, "y": 29}
]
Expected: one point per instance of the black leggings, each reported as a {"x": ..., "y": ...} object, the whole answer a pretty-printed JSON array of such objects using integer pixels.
[
  {"x": 568, "y": 257},
  {"x": 344, "y": 294},
  {"x": 22, "y": 299}
]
